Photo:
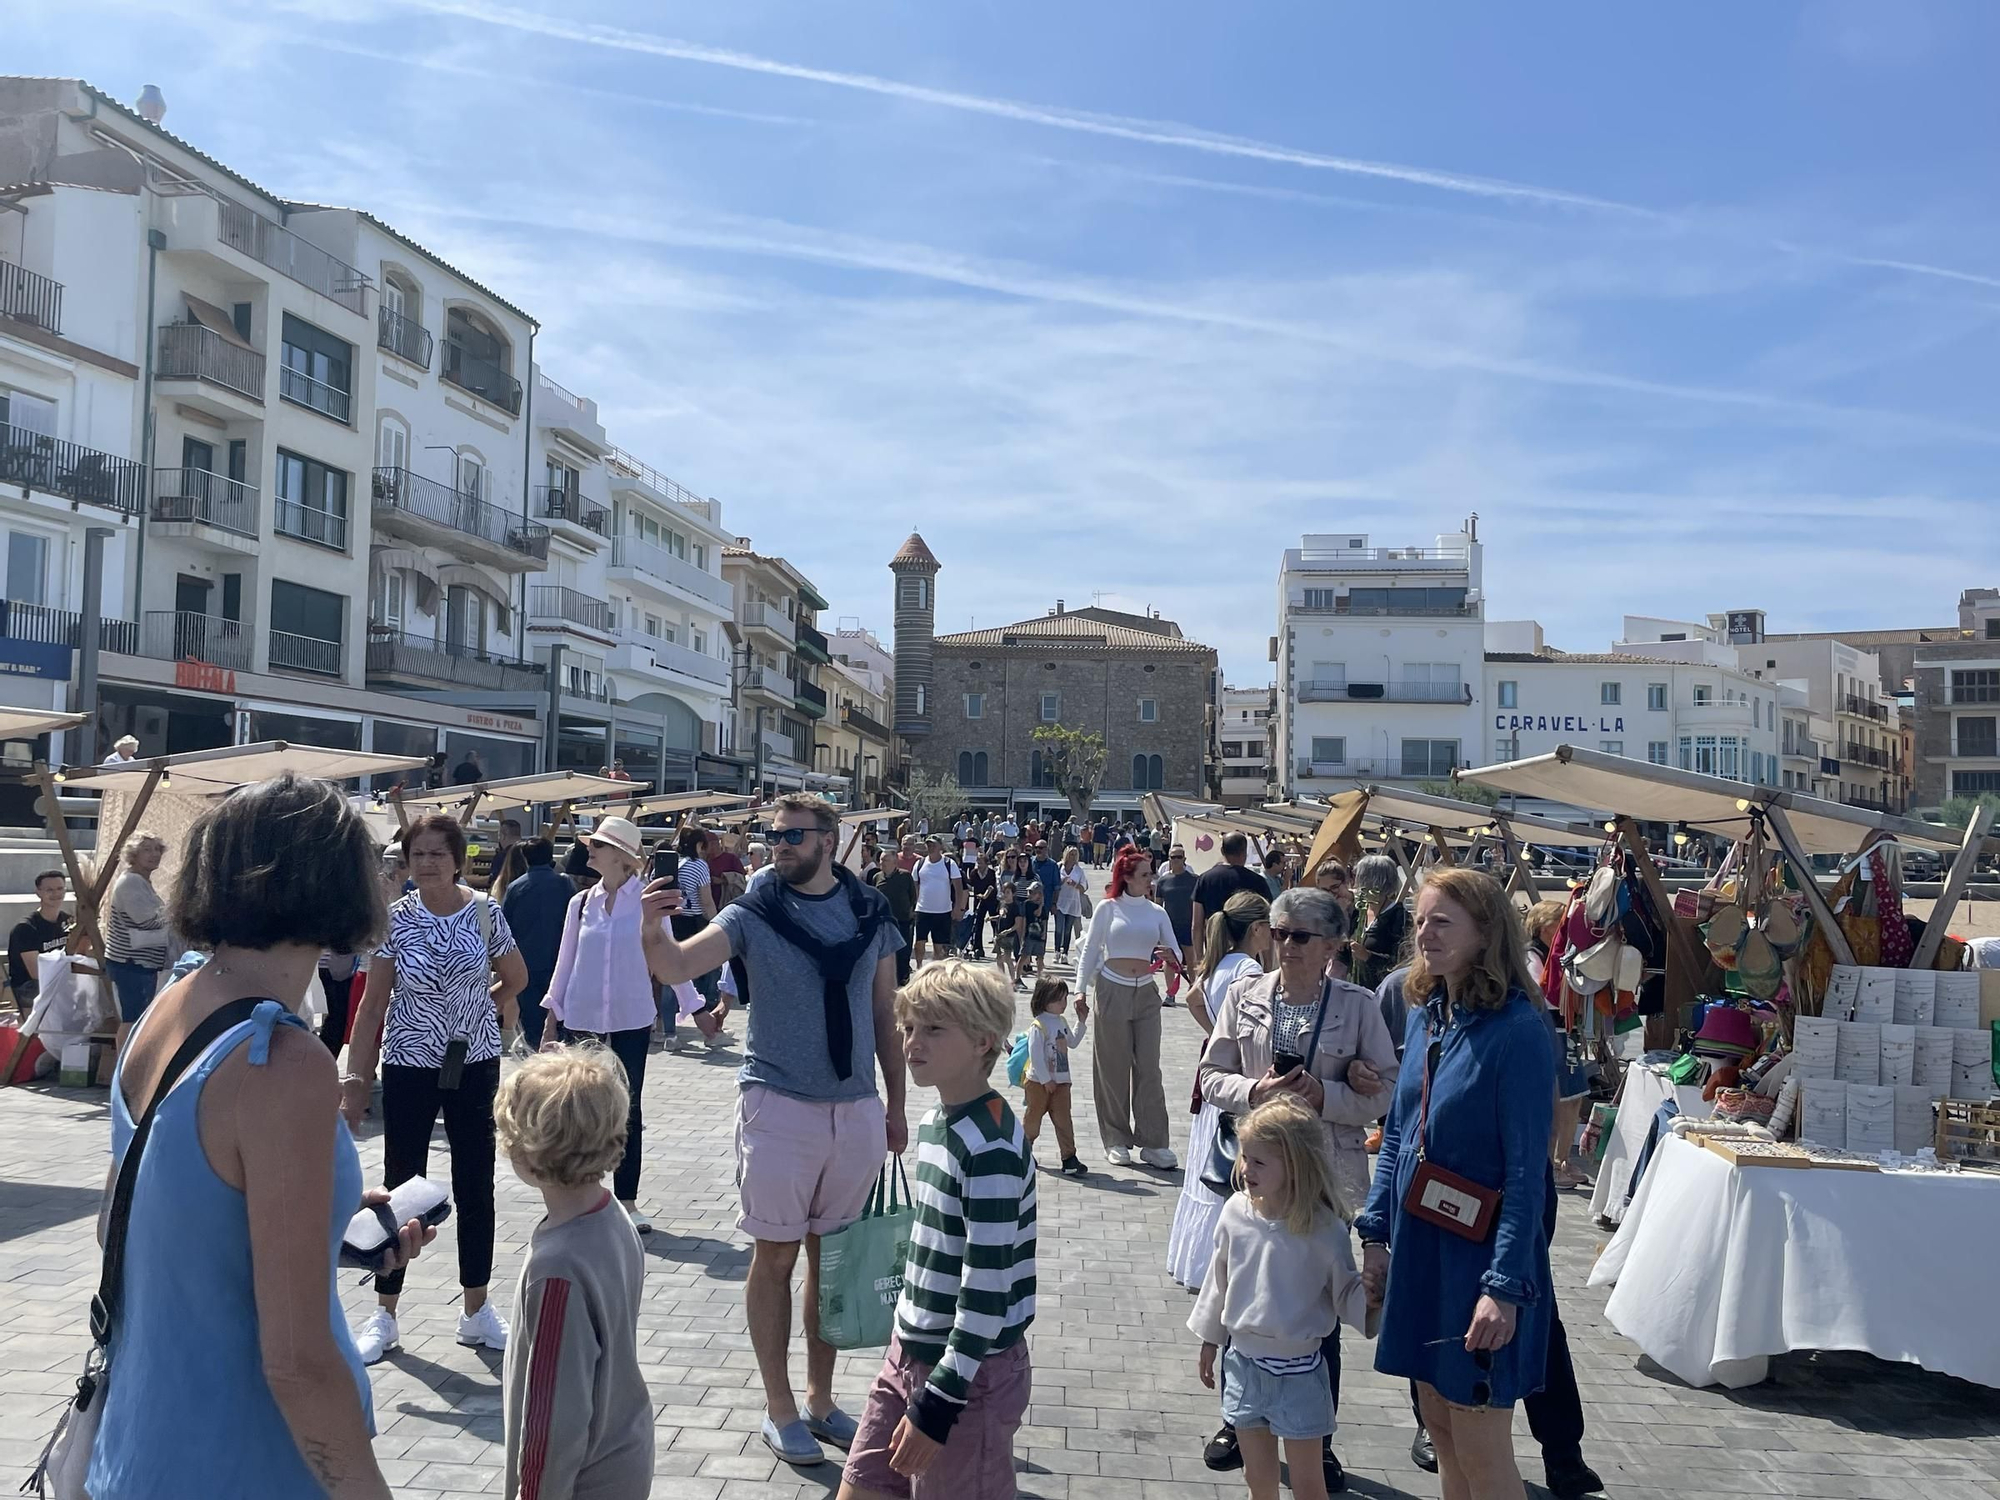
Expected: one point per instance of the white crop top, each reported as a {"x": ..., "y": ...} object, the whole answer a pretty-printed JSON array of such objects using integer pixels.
[{"x": 1124, "y": 927}]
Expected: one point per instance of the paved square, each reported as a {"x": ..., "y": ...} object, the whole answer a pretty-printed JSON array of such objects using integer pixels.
[{"x": 1118, "y": 1412}]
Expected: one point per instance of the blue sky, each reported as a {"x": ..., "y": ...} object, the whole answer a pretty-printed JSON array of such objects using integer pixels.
[{"x": 1696, "y": 307}]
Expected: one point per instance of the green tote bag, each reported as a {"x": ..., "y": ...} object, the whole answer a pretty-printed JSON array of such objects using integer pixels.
[{"x": 861, "y": 1267}]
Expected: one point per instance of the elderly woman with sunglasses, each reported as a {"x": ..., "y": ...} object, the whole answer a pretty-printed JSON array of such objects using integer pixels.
[{"x": 1300, "y": 1031}]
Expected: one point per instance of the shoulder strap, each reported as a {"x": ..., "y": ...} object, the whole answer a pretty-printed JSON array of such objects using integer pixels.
[{"x": 110, "y": 1288}]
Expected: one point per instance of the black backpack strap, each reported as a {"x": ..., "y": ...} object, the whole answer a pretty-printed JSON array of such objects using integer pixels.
[{"x": 110, "y": 1289}]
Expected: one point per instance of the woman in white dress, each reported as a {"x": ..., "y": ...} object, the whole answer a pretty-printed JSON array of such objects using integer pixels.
[{"x": 1234, "y": 946}]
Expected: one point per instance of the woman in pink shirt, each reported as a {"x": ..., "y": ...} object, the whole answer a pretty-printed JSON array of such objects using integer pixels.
[{"x": 601, "y": 990}]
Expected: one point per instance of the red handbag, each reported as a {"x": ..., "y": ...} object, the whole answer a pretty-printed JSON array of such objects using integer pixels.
[{"x": 1442, "y": 1198}]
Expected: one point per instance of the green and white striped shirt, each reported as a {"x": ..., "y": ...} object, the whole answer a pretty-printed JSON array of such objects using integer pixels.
[{"x": 969, "y": 1285}]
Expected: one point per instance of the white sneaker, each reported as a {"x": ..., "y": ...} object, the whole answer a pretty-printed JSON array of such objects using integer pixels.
[
  {"x": 639, "y": 1220},
  {"x": 1161, "y": 1157},
  {"x": 719, "y": 1040},
  {"x": 485, "y": 1327},
  {"x": 1119, "y": 1156},
  {"x": 377, "y": 1337}
]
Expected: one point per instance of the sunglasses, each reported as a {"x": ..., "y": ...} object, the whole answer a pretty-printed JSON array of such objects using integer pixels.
[
  {"x": 1293, "y": 935},
  {"x": 792, "y": 836}
]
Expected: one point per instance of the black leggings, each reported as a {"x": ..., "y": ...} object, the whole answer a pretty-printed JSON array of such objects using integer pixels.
[
  {"x": 411, "y": 1100},
  {"x": 339, "y": 1001},
  {"x": 629, "y": 1047}
]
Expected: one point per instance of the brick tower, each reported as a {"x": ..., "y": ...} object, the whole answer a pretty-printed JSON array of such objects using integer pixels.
[{"x": 916, "y": 570}]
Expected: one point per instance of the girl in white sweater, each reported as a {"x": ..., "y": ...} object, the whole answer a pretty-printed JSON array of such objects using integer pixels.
[{"x": 1282, "y": 1280}]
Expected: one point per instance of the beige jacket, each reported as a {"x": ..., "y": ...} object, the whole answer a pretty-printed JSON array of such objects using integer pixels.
[{"x": 1239, "y": 1053}]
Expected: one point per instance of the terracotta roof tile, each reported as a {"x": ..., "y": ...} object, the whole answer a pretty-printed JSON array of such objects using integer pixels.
[{"x": 915, "y": 551}]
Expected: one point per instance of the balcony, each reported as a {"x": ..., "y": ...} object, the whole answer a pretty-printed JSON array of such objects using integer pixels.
[
  {"x": 430, "y": 512},
  {"x": 309, "y": 391},
  {"x": 64, "y": 627},
  {"x": 811, "y": 643},
  {"x": 1867, "y": 709},
  {"x": 1862, "y": 799},
  {"x": 323, "y": 528},
  {"x": 481, "y": 377},
  {"x": 393, "y": 654},
  {"x": 188, "y": 351},
  {"x": 753, "y": 615},
  {"x": 629, "y": 473},
  {"x": 1862, "y": 755},
  {"x": 35, "y": 461},
  {"x": 549, "y": 602},
  {"x": 862, "y": 724},
  {"x": 810, "y": 698},
  {"x": 1390, "y": 611},
  {"x": 274, "y": 245},
  {"x": 1318, "y": 691},
  {"x": 657, "y": 565},
  {"x": 1317, "y": 560},
  {"x": 670, "y": 656},
  {"x": 177, "y": 635},
  {"x": 304, "y": 653},
  {"x": 198, "y": 497},
  {"x": 403, "y": 337},
  {"x": 769, "y": 681},
  {"x": 1322, "y": 768},
  {"x": 1828, "y": 766},
  {"x": 567, "y": 506},
  {"x": 26, "y": 297}
]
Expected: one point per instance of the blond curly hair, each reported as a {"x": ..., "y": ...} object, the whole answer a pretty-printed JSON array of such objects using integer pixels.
[{"x": 562, "y": 1116}]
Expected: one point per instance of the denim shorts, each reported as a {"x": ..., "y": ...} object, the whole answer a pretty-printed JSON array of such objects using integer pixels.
[{"x": 1294, "y": 1407}]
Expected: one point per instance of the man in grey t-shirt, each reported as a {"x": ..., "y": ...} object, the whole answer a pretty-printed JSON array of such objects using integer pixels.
[{"x": 811, "y": 1132}]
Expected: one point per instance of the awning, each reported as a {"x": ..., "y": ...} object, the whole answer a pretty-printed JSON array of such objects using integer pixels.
[
  {"x": 26, "y": 723},
  {"x": 472, "y": 575},
  {"x": 671, "y": 802},
  {"x": 403, "y": 559},
  {"x": 216, "y": 321},
  {"x": 519, "y": 791},
  {"x": 244, "y": 765},
  {"x": 1613, "y": 785}
]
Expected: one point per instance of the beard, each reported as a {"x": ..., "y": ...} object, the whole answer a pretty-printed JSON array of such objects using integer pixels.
[{"x": 804, "y": 869}]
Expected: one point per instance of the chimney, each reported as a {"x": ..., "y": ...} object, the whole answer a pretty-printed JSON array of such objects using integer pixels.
[
  {"x": 152, "y": 105},
  {"x": 1059, "y": 606}
]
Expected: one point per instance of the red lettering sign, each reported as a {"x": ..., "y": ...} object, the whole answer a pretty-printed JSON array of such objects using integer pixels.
[{"x": 203, "y": 677}]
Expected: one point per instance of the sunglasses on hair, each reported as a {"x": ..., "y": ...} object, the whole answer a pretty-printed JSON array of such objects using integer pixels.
[
  {"x": 1293, "y": 935},
  {"x": 792, "y": 836}
]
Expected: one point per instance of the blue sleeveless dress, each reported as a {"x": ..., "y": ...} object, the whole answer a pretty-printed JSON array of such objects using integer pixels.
[{"x": 190, "y": 1415}]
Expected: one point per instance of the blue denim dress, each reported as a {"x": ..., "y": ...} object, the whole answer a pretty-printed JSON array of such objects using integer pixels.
[
  {"x": 190, "y": 1413},
  {"x": 1492, "y": 1106}
]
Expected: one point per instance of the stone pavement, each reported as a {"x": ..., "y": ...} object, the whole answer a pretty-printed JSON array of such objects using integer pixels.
[{"x": 1118, "y": 1412}]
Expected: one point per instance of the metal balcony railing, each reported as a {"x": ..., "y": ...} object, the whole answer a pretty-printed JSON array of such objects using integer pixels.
[
  {"x": 20, "y": 621},
  {"x": 1331, "y": 559},
  {"x": 188, "y": 351},
  {"x": 555, "y": 503},
  {"x": 403, "y": 337},
  {"x": 482, "y": 377},
  {"x": 853, "y": 718},
  {"x": 1864, "y": 755},
  {"x": 399, "y": 490},
  {"x": 618, "y": 461},
  {"x": 301, "y": 389},
  {"x": 1391, "y": 611},
  {"x": 810, "y": 696},
  {"x": 305, "y": 653},
  {"x": 1324, "y": 691},
  {"x": 29, "y": 297},
  {"x": 1866, "y": 709},
  {"x": 36, "y": 461},
  {"x": 551, "y": 602},
  {"x": 644, "y": 557},
  {"x": 811, "y": 641},
  {"x": 198, "y": 495},
  {"x": 178, "y": 635},
  {"x": 284, "y": 252},
  {"x": 394, "y": 653},
  {"x": 1322, "y": 768},
  {"x": 328, "y": 529}
]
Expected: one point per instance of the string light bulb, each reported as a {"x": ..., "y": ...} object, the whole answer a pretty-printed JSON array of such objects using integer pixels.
[
  {"x": 1681, "y": 834},
  {"x": 59, "y": 778}
]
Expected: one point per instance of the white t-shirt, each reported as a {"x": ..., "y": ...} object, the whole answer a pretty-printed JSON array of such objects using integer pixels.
[
  {"x": 934, "y": 878},
  {"x": 1010, "y": 829}
]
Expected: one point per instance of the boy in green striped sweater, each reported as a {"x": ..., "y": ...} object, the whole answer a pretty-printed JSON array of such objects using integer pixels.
[{"x": 952, "y": 1393}]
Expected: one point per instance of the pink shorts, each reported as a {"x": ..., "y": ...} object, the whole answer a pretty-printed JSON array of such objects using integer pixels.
[
  {"x": 805, "y": 1166},
  {"x": 978, "y": 1458}
]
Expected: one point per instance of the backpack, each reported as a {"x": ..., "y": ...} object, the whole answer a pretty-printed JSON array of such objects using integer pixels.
[{"x": 1017, "y": 1059}]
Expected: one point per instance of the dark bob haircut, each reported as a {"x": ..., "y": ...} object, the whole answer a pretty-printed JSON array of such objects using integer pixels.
[
  {"x": 444, "y": 825},
  {"x": 284, "y": 861}
]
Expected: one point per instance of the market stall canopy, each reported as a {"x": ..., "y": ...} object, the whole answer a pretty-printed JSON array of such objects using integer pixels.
[
  {"x": 520, "y": 791},
  {"x": 232, "y": 766},
  {"x": 1613, "y": 784},
  {"x": 873, "y": 815},
  {"x": 26, "y": 723},
  {"x": 647, "y": 807},
  {"x": 1407, "y": 809}
]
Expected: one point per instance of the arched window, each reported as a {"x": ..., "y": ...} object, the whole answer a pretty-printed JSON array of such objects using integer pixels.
[
  {"x": 1148, "y": 773},
  {"x": 965, "y": 768},
  {"x": 1035, "y": 769},
  {"x": 979, "y": 769}
]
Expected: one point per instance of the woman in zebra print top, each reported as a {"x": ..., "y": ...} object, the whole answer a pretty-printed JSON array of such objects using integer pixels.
[{"x": 449, "y": 971}]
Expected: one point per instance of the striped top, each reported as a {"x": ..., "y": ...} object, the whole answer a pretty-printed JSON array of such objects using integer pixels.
[
  {"x": 137, "y": 931},
  {"x": 969, "y": 1285}
]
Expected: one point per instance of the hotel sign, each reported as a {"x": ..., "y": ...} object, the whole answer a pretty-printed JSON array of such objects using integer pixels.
[{"x": 1559, "y": 723}]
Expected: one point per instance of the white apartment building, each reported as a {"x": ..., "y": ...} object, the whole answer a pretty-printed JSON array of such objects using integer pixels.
[
  {"x": 209, "y": 376},
  {"x": 861, "y": 688},
  {"x": 1804, "y": 741},
  {"x": 1380, "y": 653},
  {"x": 779, "y": 649},
  {"x": 1244, "y": 730}
]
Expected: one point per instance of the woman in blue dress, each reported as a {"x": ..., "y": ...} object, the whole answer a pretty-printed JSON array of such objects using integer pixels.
[{"x": 1466, "y": 1318}]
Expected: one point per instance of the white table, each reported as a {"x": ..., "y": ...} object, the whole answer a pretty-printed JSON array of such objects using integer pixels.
[
  {"x": 1639, "y": 1099},
  {"x": 1718, "y": 1268}
]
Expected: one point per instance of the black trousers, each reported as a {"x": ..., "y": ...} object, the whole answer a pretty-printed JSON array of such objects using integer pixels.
[
  {"x": 411, "y": 1100},
  {"x": 1555, "y": 1412},
  {"x": 629, "y": 1047},
  {"x": 534, "y": 1019},
  {"x": 339, "y": 1002}
]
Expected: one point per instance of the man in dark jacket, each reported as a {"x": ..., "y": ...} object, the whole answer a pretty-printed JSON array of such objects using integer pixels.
[{"x": 535, "y": 906}]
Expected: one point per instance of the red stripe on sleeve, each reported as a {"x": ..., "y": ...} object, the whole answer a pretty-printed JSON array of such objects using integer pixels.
[{"x": 543, "y": 1363}]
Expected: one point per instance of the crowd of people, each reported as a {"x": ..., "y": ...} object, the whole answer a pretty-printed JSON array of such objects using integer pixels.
[{"x": 1344, "y": 1017}]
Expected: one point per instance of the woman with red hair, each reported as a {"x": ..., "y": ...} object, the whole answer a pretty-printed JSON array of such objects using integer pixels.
[{"x": 1126, "y": 932}]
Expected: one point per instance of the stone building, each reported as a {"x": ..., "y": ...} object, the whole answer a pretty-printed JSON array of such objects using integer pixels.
[{"x": 968, "y": 704}]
